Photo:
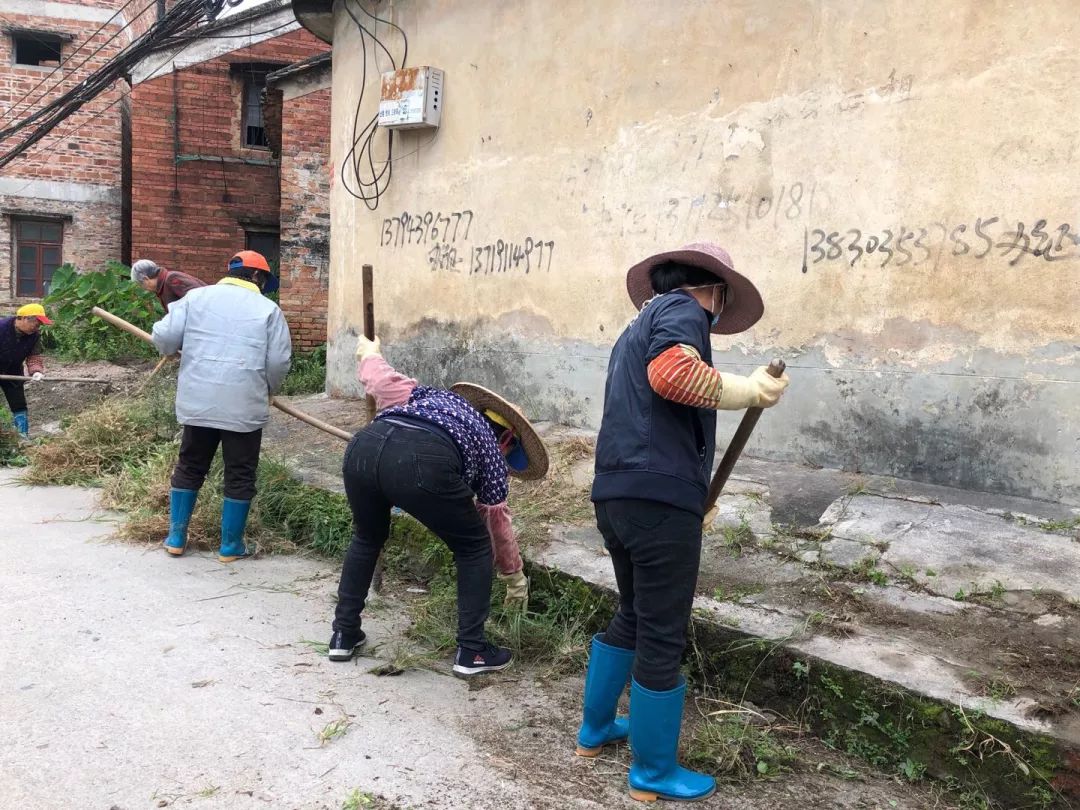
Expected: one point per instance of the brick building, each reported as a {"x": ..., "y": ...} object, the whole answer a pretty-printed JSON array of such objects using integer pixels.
[
  {"x": 61, "y": 200},
  {"x": 299, "y": 98},
  {"x": 205, "y": 181}
]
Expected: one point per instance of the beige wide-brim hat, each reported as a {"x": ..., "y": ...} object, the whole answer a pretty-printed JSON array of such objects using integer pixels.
[
  {"x": 484, "y": 400},
  {"x": 743, "y": 306}
]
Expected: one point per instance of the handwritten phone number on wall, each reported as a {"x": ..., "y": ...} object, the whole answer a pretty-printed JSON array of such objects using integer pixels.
[
  {"x": 501, "y": 257},
  {"x": 914, "y": 246},
  {"x": 420, "y": 229}
]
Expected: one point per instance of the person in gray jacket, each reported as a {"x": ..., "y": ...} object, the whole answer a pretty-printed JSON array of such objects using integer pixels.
[{"x": 236, "y": 353}]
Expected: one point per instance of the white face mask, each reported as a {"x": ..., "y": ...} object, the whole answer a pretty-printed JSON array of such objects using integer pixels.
[{"x": 717, "y": 308}]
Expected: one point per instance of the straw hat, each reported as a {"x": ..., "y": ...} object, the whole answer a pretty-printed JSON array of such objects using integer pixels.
[
  {"x": 536, "y": 457},
  {"x": 743, "y": 306}
]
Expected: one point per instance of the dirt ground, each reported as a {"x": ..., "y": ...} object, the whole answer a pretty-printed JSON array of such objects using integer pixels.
[{"x": 49, "y": 402}]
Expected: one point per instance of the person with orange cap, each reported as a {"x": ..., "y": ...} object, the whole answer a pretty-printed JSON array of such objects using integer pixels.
[
  {"x": 236, "y": 352},
  {"x": 20, "y": 344}
]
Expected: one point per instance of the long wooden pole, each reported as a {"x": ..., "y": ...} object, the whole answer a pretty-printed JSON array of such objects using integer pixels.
[
  {"x": 738, "y": 443},
  {"x": 20, "y": 378},
  {"x": 367, "y": 280},
  {"x": 285, "y": 407}
]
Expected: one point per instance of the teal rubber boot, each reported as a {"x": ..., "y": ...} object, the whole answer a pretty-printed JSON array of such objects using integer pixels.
[
  {"x": 22, "y": 423},
  {"x": 234, "y": 515},
  {"x": 609, "y": 670},
  {"x": 181, "y": 505},
  {"x": 655, "y": 722}
]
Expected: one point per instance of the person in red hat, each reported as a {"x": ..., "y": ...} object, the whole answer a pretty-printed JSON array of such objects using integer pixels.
[
  {"x": 654, "y": 455},
  {"x": 236, "y": 351},
  {"x": 20, "y": 343}
]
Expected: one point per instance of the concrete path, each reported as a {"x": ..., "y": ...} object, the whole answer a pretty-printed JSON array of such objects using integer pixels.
[
  {"x": 129, "y": 680},
  {"x": 133, "y": 680}
]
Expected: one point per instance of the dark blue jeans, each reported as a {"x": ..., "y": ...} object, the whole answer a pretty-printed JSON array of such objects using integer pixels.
[
  {"x": 420, "y": 472},
  {"x": 655, "y": 550}
]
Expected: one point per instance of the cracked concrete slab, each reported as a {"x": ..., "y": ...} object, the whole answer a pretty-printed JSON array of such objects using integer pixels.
[
  {"x": 847, "y": 553},
  {"x": 966, "y": 549}
]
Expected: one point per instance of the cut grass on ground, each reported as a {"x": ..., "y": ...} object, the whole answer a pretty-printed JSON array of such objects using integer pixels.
[{"x": 128, "y": 446}]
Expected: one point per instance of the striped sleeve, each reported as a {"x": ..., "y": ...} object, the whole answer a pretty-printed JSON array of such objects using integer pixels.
[{"x": 680, "y": 375}]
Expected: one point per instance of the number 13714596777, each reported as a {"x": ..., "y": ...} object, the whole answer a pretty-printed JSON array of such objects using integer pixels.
[{"x": 903, "y": 246}]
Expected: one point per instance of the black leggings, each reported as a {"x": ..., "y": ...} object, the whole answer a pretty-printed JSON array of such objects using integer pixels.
[
  {"x": 15, "y": 394},
  {"x": 421, "y": 472},
  {"x": 655, "y": 550}
]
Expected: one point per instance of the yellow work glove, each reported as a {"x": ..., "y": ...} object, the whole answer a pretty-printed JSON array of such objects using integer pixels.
[
  {"x": 366, "y": 348},
  {"x": 517, "y": 589},
  {"x": 759, "y": 390},
  {"x": 710, "y": 516}
]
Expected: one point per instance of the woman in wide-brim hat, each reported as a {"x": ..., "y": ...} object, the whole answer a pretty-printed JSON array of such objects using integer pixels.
[
  {"x": 443, "y": 456},
  {"x": 654, "y": 455}
]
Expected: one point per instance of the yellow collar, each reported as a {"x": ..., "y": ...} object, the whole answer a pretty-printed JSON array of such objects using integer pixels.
[{"x": 240, "y": 282}]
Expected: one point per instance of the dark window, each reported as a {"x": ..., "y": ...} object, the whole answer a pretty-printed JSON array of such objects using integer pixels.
[
  {"x": 38, "y": 251},
  {"x": 40, "y": 50},
  {"x": 254, "y": 131},
  {"x": 268, "y": 243}
]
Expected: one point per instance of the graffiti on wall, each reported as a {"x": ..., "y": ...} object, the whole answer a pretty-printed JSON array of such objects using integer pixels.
[
  {"x": 902, "y": 246},
  {"x": 445, "y": 238}
]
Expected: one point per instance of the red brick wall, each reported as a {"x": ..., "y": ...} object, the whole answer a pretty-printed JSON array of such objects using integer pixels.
[
  {"x": 91, "y": 154},
  {"x": 305, "y": 216},
  {"x": 187, "y": 215}
]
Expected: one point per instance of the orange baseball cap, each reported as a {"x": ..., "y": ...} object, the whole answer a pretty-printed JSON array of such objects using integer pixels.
[{"x": 251, "y": 260}]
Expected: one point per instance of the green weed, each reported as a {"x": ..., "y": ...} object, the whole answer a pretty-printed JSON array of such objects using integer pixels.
[
  {"x": 78, "y": 335},
  {"x": 307, "y": 374},
  {"x": 737, "y": 745}
]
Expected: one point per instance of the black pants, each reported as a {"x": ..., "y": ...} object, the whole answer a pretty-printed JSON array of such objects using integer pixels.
[
  {"x": 655, "y": 550},
  {"x": 14, "y": 393},
  {"x": 239, "y": 451},
  {"x": 421, "y": 472}
]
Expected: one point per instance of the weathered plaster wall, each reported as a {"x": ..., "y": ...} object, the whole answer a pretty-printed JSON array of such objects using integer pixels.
[{"x": 868, "y": 164}]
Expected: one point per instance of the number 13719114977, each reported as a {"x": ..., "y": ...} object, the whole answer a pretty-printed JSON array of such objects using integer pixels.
[{"x": 905, "y": 246}]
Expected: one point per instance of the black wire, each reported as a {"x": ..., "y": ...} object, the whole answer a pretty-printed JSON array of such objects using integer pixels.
[
  {"x": 183, "y": 17},
  {"x": 71, "y": 56},
  {"x": 196, "y": 35},
  {"x": 370, "y": 186},
  {"x": 404, "y": 36}
]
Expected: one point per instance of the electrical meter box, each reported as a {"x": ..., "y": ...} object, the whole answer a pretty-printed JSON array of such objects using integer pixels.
[{"x": 411, "y": 98}]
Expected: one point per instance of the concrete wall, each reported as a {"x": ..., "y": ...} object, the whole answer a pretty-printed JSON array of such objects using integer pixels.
[{"x": 893, "y": 175}]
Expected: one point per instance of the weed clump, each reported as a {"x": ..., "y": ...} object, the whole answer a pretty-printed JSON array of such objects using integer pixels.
[
  {"x": 117, "y": 433},
  {"x": 11, "y": 448},
  {"x": 558, "y": 497},
  {"x": 738, "y": 744}
]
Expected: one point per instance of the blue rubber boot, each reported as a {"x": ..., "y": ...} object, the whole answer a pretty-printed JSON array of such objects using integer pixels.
[
  {"x": 181, "y": 505},
  {"x": 609, "y": 670},
  {"x": 22, "y": 423},
  {"x": 655, "y": 720},
  {"x": 234, "y": 515}
]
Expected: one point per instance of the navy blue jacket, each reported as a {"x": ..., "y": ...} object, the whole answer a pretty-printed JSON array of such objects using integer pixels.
[
  {"x": 650, "y": 447},
  {"x": 15, "y": 347}
]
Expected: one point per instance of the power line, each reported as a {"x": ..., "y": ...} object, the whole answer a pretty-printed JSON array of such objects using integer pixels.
[
  {"x": 185, "y": 15},
  {"x": 71, "y": 56},
  {"x": 71, "y": 131}
]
